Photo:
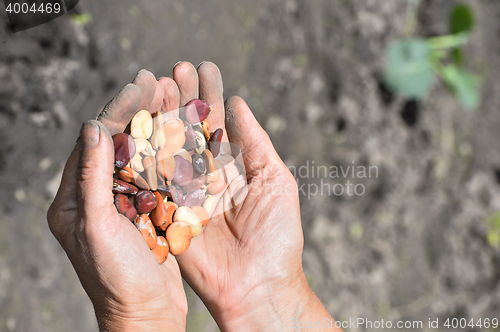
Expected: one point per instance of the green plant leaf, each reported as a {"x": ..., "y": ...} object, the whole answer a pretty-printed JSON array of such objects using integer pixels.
[
  {"x": 457, "y": 56},
  {"x": 408, "y": 68},
  {"x": 463, "y": 84},
  {"x": 461, "y": 19},
  {"x": 448, "y": 41}
]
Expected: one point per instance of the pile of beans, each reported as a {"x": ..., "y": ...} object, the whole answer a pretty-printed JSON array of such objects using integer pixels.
[{"x": 166, "y": 176}]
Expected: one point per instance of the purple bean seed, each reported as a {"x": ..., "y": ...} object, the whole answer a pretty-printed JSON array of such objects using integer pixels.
[
  {"x": 124, "y": 149},
  {"x": 199, "y": 165},
  {"x": 194, "y": 198},
  {"x": 183, "y": 171},
  {"x": 197, "y": 111},
  {"x": 215, "y": 140},
  {"x": 145, "y": 201},
  {"x": 191, "y": 142},
  {"x": 122, "y": 187}
]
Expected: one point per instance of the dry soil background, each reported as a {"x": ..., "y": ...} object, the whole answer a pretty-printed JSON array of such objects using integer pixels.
[{"x": 413, "y": 247}]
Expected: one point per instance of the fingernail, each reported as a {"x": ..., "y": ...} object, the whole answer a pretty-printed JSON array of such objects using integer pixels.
[
  {"x": 138, "y": 74},
  {"x": 177, "y": 63},
  {"x": 200, "y": 64},
  {"x": 90, "y": 134}
]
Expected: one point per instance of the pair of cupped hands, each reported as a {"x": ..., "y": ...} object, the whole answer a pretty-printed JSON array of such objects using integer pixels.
[{"x": 246, "y": 265}]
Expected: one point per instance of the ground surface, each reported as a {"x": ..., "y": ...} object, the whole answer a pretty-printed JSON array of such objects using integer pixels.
[{"x": 413, "y": 247}]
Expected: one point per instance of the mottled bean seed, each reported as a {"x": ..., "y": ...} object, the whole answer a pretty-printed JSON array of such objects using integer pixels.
[
  {"x": 145, "y": 201},
  {"x": 123, "y": 206}
]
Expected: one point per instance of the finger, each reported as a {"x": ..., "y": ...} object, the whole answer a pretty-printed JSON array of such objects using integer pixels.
[
  {"x": 146, "y": 81},
  {"x": 157, "y": 101},
  {"x": 95, "y": 172},
  {"x": 244, "y": 131},
  {"x": 186, "y": 77},
  {"x": 121, "y": 109},
  {"x": 211, "y": 91},
  {"x": 171, "y": 94}
]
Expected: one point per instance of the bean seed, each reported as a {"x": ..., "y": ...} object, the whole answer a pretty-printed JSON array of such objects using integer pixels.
[
  {"x": 148, "y": 151},
  {"x": 170, "y": 208},
  {"x": 191, "y": 142},
  {"x": 187, "y": 215},
  {"x": 159, "y": 213},
  {"x": 164, "y": 197},
  {"x": 174, "y": 134},
  {"x": 206, "y": 130},
  {"x": 199, "y": 166},
  {"x": 197, "y": 111},
  {"x": 184, "y": 154},
  {"x": 209, "y": 161},
  {"x": 177, "y": 196},
  {"x": 201, "y": 213},
  {"x": 220, "y": 184},
  {"x": 179, "y": 236},
  {"x": 215, "y": 140},
  {"x": 123, "y": 206},
  {"x": 141, "y": 144},
  {"x": 167, "y": 189},
  {"x": 150, "y": 167},
  {"x": 208, "y": 204},
  {"x": 160, "y": 252},
  {"x": 200, "y": 142},
  {"x": 144, "y": 225},
  {"x": 194, "y": 198},
  {"x": 210, "y": 164},
  {"x": 194, "y": 184},
  {"x": 211, "y": 177},
  {"x": 183, "y": 171},
  {"x": 136, "y": 163},
  {"x": 158, "y": 137},
  {"x": 141, "y": 125},
  {"x": 122, "y": 187},
  {"x": 145, "y": 201},
  {"x": 127, "y": 174},
  {"x": 124, "y": 149},
  {"x": 197, "y": 127},
  {"x": 165, "y": 164}
]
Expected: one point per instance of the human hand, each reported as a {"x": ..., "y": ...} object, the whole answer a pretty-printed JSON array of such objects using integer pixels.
[
  {"x": 246, "y": 265},
  {"x": 128, "y": 289}
]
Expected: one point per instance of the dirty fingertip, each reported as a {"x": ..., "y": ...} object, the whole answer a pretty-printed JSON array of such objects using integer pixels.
[
  {"x": 146, "y": 81},
  {"x": 90, "y": 134}
]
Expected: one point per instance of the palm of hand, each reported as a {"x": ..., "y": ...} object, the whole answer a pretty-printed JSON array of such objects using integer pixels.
[
  {"x": 245, "y": 248},
  {"x": 126, "y": 268}
]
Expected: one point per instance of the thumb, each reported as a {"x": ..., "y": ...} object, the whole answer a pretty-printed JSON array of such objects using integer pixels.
[
  {"x": 244, "y": 131},
  {"x": 95, "y": 171}
]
